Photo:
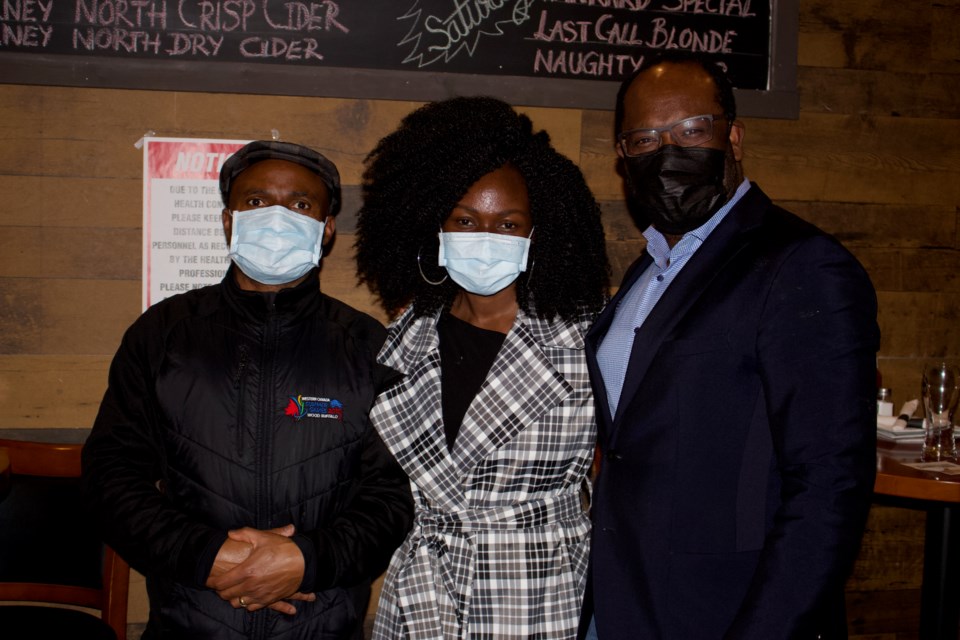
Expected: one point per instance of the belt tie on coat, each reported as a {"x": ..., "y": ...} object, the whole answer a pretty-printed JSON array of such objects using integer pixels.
[{"x": 441, "y": 555}]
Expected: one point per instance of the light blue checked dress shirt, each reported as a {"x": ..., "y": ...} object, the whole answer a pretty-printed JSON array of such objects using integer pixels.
[{"x": 614, "y": 352}]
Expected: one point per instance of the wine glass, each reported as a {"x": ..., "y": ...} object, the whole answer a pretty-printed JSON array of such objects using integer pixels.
[{"x": 940, "y": 391}]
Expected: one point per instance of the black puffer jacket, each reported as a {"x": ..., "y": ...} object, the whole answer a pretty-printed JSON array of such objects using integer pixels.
[{"x": 228, "y": 408}]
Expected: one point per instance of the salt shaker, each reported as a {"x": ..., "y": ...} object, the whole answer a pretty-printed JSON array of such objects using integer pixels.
[{"x": 884, "y": 402}]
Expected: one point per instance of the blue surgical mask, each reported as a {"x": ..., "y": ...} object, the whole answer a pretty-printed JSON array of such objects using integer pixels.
[
  {"x": 483, "y": 263},
  {"x": 274, "y": 245}
]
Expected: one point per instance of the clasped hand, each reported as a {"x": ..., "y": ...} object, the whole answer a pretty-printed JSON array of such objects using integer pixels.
[{"x": 265, "y": 568}]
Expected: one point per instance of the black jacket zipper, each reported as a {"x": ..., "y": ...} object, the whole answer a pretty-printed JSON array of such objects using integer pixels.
[
  {"x": 240, "y": 384},
  {"x": 264, "y": 437}
]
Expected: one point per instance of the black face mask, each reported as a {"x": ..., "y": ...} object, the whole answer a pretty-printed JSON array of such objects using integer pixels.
[{"x": 678, "y": 188}]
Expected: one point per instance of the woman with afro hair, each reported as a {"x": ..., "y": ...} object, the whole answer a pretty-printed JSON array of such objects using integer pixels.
[{"x": 488, "y": 245}]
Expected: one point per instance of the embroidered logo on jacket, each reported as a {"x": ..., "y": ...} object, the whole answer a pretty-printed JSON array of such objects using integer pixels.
[{"x": 310, "y": 407}]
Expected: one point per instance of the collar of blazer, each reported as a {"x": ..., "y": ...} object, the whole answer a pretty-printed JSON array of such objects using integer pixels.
[
  {"x": 411, "y": 339},
  {"x": 501, "y": 409},
  {"x": 726, "y": 241}
]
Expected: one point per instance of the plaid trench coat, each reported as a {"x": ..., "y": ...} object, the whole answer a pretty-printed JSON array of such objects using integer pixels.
[{"x": 500, "y": 543}]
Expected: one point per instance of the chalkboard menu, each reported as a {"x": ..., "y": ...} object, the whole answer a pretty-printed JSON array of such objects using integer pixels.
[{"x": 540, "y": 52}]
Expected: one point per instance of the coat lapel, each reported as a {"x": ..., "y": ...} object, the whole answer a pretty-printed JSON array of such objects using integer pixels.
[
  {"x": 726, "y": 240},
  {"x": 521, "y": 386},
  {"x": 416, "y": 437}
]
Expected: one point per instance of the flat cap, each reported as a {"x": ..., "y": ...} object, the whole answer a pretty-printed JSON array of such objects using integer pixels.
[{"x": 259, "y": 150}]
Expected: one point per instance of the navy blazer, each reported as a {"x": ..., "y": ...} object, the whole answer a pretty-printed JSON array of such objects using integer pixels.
[{"x": 736, "y": 476}]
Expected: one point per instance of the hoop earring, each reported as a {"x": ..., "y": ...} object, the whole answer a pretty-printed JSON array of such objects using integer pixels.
[
  {"x": 533, "y": 262},
  {"x": 422, "y": 275}
]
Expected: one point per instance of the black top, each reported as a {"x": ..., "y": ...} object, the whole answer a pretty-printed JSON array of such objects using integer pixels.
[{"x": 466, "y": 355}]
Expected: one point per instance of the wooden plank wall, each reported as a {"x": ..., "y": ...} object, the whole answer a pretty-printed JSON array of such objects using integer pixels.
[{"x": 874, "y": 158}]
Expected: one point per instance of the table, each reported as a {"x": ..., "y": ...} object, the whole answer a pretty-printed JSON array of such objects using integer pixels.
[{"x": 939, "y": 495}]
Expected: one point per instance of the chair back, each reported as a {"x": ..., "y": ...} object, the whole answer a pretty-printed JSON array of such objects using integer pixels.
[{"x": 49, "y": 552}]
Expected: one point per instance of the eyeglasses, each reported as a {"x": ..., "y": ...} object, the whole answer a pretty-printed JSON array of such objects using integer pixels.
[{"x": 686, "y": 133}]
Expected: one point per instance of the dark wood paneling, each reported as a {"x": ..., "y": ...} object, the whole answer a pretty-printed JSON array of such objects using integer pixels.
[
  {"x": 877, "y": 35},
  {"x": 859, "y": 224},
  {"x": 70, "y": 252},
  {"x": 51, "y": 316},
  {"x": 55, "y": 201},
  {"x": 57, "y": 391},
  {"x": 881, "y": 93}
]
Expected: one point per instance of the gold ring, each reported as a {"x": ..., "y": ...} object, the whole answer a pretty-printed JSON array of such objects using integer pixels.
[{"x": 242, "y": 603}]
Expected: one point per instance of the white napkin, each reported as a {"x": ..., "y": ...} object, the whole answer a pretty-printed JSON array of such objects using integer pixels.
[{"x": 889, "y": 423}]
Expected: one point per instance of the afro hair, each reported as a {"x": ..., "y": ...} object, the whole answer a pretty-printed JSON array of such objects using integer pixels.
[{"x": 416, "y": 175}]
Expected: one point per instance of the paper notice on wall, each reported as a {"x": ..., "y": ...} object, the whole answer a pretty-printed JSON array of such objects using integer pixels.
[{"x": 183, "y": 243}]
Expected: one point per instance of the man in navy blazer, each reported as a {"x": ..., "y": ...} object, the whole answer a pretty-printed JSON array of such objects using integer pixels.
[{"x": 735, "y": 379}]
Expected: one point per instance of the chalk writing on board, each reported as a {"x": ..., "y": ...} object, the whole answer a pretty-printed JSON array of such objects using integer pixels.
[
  {"x": 440, "y": 37},
  {"x": 590, "y": 39}
]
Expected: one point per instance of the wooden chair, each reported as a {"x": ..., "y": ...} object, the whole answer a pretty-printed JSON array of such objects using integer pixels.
[{"x": 50, "y": 554}]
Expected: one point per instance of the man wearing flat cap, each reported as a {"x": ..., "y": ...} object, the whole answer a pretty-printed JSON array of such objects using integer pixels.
[{"x": 232, "y": 461}]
